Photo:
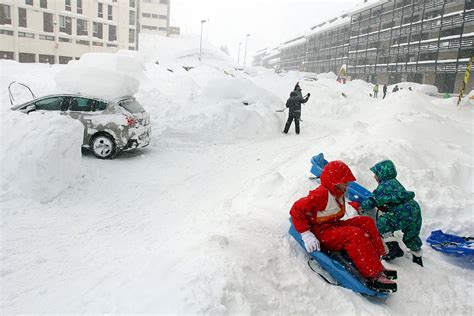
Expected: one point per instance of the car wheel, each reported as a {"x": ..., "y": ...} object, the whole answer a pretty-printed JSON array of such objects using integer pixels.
[{"x": 103, "y": 146}]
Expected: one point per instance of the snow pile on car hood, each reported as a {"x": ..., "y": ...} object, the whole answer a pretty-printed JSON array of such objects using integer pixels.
[
  {"x": 103, "y": 75},
  {"x": 40, "y": 155}
]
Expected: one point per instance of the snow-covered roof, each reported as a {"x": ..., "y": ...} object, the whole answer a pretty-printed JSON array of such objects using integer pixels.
[
  {"x": 341, "y": 20},
  {"x": 296, "y": 41},
  {"x": 368, "y": 4}
]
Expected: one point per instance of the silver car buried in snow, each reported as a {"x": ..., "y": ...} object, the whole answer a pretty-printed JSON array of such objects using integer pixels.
[{"x": 110, "y": 126}]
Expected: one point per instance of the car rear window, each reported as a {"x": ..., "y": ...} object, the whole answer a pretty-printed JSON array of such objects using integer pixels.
[{"x": 132, "y": 106}]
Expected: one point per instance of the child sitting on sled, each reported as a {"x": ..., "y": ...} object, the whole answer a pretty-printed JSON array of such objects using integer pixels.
[
  {"x": 317, "y": 217},
  {"x": 402, "y": 212}
]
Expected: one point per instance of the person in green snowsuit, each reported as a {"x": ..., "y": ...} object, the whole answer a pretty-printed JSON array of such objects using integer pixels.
[{"x": 402, "y": 212}]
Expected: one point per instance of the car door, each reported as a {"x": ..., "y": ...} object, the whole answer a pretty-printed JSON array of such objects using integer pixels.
[{"x": 82, "y": 109}]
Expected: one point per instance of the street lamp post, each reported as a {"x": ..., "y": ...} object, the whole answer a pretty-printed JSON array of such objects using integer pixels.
[
  {"x": 238, "y": 55},
  {"x": 200, "y": 45},
  {"x": 245, "y": 52}
]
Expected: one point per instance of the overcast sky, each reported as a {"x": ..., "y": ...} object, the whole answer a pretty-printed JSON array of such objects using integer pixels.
[{"x": 269, "y": 22}]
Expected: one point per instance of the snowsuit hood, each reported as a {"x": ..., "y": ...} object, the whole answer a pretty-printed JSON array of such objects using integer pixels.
[
  {"x": 334, "y": 173},
  {"x": 384, "y": 170}
]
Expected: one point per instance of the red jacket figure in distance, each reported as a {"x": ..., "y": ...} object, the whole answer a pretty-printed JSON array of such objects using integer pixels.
[{"x": 317, "y": 217}]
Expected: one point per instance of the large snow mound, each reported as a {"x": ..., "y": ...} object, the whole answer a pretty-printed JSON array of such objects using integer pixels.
[
  {"x": 40, "y": 156},
  {"x": 418, "y": 87},
  {"x": 184, "y": 50},
  {"x": 102, "y": 75}
]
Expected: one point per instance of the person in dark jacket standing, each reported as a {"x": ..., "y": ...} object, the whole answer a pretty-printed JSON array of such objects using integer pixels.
[
  {"x": 384, "y": 91},
  {"x": 294, "y": 106}
]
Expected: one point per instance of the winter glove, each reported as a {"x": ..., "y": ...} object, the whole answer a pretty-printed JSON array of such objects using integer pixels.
[
  {"x": 311, "y": 243},
  {"x": 356, "y": 206}
]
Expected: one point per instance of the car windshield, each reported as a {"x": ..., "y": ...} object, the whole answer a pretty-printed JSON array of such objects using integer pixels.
[{"x": 132, "y": 106}]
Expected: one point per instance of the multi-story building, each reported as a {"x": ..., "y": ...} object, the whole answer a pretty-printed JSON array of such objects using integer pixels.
[
  {"x": 56, "y": 31},
  {"x": 292, "y": 54},
  {"x": 427, "y": 41},
  {"x": 154, "y": 16},
  {"x": 259, "y": 55},
  {"x": 389, "y": 41},
  {"x": 327, "y": 45}
]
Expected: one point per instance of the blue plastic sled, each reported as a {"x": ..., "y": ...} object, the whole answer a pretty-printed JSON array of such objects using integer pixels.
[
  {"x": 355, "y": 192},
  {"x": 337, "y": 270},
  {"x": 451, "y": 244}
]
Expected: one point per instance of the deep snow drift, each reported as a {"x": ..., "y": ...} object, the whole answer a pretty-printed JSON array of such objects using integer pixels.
[{"x": 197, "y": 222}]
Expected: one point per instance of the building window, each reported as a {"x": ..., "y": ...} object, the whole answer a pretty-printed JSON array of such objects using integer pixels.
[
  {"x": 131, "y": 18},
  {"x": 29, "y": 2},
  {"x": 6, "y": 32},
  {"x": 5, "y": 16},
  {"x": 81, "y": 42},
  {"x": 26, "y": 58},
  {"x": 112, "y": 33},
  {"x": 131, "y": 36},
  {"x": 162, "y": 29},
  {"x": 46, "y": 37},
  {"x": 64, "y": 39},
  {"x": 64, "y": 59},
  {"x": 44, "y": 4},
  {"x": 67, "y": 6},
  {"x": 164, "y": 1},
  {"x": 132, "y": 3},
  {"x": 97, "y": 30},
  {"x": 97, "y": 44},
  {"x": 65, "y": 24},
  {"x": 25, "y": 34},
  {"x": 46, "y": 59},
  {"x": 154, "y": 16},
  {"x": 109, "y": 12},
  {"x": 100, "y": 8},
  {"x": 163, "y": 17},
  {"x": 81, "y": 27},
  {"x": 79, "y": 6},
  {"x": 6, "y": 55},
  {"x": 450, "y": 32},
  {"x": 22, "y": 17},
  {"x": 146, "y": 15},
  {"x": 48, "y": 22}
]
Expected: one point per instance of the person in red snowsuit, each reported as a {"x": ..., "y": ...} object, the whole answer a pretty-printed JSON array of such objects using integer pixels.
[{"x": 317, "y": 217}]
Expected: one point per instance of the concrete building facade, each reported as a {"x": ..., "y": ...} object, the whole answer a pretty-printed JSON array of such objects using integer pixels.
[
  {"x": 389, "y": 41},
  {"x": 154, "y": 16},
  {"x": 56, "y": 31}
]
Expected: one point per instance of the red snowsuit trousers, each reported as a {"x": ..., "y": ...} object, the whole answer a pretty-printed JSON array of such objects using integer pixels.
[{"x": 359, "y": 237}]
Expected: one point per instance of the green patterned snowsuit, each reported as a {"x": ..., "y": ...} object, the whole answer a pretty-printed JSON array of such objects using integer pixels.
[{"x": 402, "y": 211}]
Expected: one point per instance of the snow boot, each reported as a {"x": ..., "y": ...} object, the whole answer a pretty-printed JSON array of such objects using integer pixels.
[
  {"x": 390, "y": 274},
  {"x": 394, "y": 251},
  {"x": 382, "y": 284},
  {"x": 417, "y": 257}
]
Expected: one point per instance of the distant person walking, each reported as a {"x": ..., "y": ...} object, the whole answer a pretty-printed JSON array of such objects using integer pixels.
[
  {"x": 395, "y": 89},
  {"x": 384, "y": 91},
  {"x": 294, "y": 113},
  {"x": 376, "y": 90}
]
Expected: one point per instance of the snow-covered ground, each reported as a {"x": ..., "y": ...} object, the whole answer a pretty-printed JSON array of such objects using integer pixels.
[{"x": 197, "y": 222}]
